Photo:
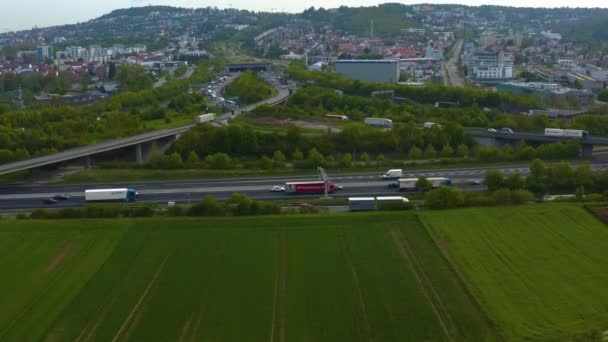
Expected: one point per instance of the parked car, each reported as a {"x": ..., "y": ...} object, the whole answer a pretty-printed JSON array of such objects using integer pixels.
[
  {"x": 278, "y": 188},
  {"x": 506, "y": 130},
  {"x": 61, "y": 197},
  {"x": 49, "y": 201},
  {"x": 492, "y": 130}
]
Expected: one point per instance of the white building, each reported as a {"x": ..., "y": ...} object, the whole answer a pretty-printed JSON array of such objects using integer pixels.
[{"x": 489, "y": 66}]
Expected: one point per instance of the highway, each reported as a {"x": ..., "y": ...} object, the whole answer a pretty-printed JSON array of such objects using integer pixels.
[{"x": 22, "y": 197}]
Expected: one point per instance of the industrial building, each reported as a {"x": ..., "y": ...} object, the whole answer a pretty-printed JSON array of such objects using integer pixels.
[
  {"x": 546, "y": 91},
  {"x": 381, "y": 71}
]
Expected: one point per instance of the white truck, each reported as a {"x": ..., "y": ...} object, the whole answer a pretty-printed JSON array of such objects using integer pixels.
[
  {"x": 409, "y": 184},
  {"x": 379, "y": 122},
  {"x": 109, "y": 195},
  {"x": 201, "y": 119},
  {"x": 393, "y": 174},
  {"x": 570, "y": 133}
]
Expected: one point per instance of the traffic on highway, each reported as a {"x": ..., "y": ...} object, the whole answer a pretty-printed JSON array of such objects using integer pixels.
[{"x": 21, "y": 197}]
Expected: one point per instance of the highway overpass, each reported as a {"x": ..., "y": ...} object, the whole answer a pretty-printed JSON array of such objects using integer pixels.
[
  {"x": 485, "y": 138},
  {"x": 141, "y": 143}
]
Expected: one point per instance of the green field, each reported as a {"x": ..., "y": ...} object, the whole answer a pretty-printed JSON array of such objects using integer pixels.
[
  {"x": 364, "y": 277},
  {"x": 539, "y": 271}
]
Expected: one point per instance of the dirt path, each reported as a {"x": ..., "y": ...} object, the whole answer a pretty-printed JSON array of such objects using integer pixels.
[
  {"x": 185, "y": 329},
  {"x": 423, "y": 282},
  {"x": 141, "y": 299},
  {"x": 363, "y": 325},
  {"x": 58, "y": 259},
  {"x": 279, "y": 306}
]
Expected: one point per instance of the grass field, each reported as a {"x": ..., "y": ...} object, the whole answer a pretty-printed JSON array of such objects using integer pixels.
[
  {"x": 364, "y": 277},
  {"x": 539, "y": 271}
]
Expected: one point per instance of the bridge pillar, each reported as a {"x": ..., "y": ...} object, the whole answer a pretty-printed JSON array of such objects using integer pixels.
[
  {"x": 586, "y": 150},
  {"x": 87, "y": 162},
  {"x": 139, "y": 157}
]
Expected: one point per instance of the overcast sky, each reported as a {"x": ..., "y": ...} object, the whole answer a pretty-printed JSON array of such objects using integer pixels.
[{"x": 25, "y": 14}]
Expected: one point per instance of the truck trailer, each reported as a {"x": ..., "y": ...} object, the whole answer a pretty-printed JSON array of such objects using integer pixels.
[
  {"x": 379, "y": 122},
  {"x": 409, "y": 184},
  {"x": 201, "y": 119},
  {"x": 110, "y": 195},
  {"x": 570, "y": 133},
  {"x": 313, "y": 187}
]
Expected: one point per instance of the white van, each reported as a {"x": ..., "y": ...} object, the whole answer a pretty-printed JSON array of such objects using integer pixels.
[{"x": 393, "y": 174}]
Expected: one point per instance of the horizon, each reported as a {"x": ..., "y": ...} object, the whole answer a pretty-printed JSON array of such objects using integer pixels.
[{"x": 61, "y": 12}]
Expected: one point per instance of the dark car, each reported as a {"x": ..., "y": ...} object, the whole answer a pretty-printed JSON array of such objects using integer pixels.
[
  {"x": 393, "y": 185},
  {"x": 49, "y": 201},
  {"x": 61, "y": 197}
]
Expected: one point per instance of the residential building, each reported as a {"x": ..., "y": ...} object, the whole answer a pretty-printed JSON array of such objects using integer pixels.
[{"x": 44, "y": 52}]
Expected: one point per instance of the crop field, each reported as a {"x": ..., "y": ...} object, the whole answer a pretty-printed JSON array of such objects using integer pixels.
[
  {"x": 540, "y": 272},
  {"x": 363, "y": 277}
]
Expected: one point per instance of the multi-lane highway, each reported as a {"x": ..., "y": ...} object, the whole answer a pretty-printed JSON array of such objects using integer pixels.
[{"x": 17, "y": 197}]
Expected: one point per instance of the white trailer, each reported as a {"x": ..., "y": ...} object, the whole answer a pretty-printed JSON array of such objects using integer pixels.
[
  {"x": 407, "y": 184},
  {"x": 570, "y": 133},
  {"x": 103, "y": 195},
  {"x": 379, "y": 122},
  {"x": 361, "y": 203},
  {"x": 440, "y": 181},
  {"x": 201, "y": 119},
  {"x": 575, "y": 133}
]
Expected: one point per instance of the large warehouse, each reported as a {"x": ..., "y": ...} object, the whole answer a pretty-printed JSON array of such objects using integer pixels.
[{"x": 383, "y": 71}]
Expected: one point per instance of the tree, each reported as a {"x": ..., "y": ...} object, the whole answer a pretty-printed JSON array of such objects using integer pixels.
[
  {"x": 193, "y": 158},
  {"x": 415, "y": 153},
  {"x": 380, "y": 159},
  {"x": 111, "y": 71},
  {"x": 173, "y": 161},
  {"x": 429, "y": 152},
  {"x": 583, "y": 175},
  {"x": 444, "y": 198},
  {"x": 447, "y": 151},
  {"x": 347, "y": 160},
  {"x": 279, "y": 157},
  {"x": 536, "y": 180},
  {"x": 463, "y": 151},
  {"x": 265, "y": 163},
  {"x": 219, "y": 161},
  {"x": 316, "y": 157},
  {"x": 298, "y": 155},
  {"x": 580, "y": 193},
  {"x": 423, "y": 184},
  {"x": 514, "y": 181},
  {"x": 133, "y": 77},
  {"x": 364, "y": 157},
  {"x": 494, "y": 180}
]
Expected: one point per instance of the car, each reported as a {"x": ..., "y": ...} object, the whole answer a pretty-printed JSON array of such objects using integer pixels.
[
  {"x": 506, "y": 130},
  {"x": 49, "y": 201},
  {"x": 61, "y": 197},
  {"x": 278, "y": 188},
  {"x": 305, "y": 205},
  {"x": 393, "y": 185},
  {"x": 473, "y": 182},
  {"x": 492, "y": 130},
  {"x": 338, "y": 187}
]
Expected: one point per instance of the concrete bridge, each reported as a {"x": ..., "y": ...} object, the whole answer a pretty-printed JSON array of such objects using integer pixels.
[
  {"x": 141, "y": 143},
  {"x": 487, "y": 139}
]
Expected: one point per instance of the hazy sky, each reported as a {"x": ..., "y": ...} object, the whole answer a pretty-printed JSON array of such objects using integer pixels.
[{"x": 25, "y": 14}]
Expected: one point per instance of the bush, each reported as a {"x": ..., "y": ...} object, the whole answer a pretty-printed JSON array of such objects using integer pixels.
[
  {"x": 208, "y": 207},
  {"x": 478, "y": 199},
  {"x": 521, "y": 196},
  {"x": 219, "y": 161},
  {"x": 502, "y": 196},
  {"x": 444, "y": 198},
  {"x": 594, "y": 198}
]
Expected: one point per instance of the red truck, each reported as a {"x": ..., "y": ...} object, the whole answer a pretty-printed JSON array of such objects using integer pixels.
[{"x": 314, "y": 187}]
